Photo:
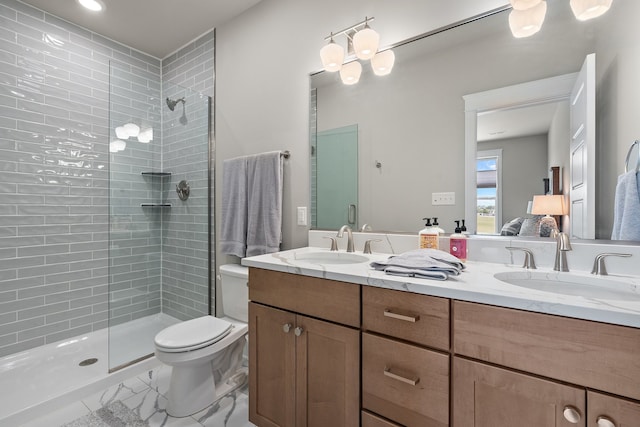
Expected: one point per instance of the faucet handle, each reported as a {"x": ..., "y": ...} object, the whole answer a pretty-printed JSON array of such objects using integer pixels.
[
  {"x": 599, "y": 267},
  {"x": 367, "y": 245},
  {"x": 334, "y": 243},
  {"x": 529, "y": 262}
]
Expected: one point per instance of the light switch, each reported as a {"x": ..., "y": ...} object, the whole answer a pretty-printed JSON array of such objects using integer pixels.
[
  {"x": 302, "y": 215},
  {"x": 443, "y": 199}
]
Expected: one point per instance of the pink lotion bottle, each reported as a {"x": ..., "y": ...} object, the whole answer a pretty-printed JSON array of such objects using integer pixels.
[{"x": 458, "y": 243}]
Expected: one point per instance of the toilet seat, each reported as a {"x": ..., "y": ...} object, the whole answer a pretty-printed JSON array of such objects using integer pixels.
[{"x": 192, "y": 334}]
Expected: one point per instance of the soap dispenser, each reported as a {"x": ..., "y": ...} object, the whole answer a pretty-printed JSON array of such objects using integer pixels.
[
  {"x": 428, "y": 236},
  {"x": 436, "y": 226},
  {"x": 458, "y": 243},
  {"x": 463, "y": 228}
]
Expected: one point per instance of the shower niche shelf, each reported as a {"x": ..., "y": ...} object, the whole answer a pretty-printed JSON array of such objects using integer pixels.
[
  {"x": 155, "y": 205},
  {"x": 158, "y": 174}
]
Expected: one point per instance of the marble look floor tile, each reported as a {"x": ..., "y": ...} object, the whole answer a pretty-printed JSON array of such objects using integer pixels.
[
  {"x": 158, "y": 379},
  {"x": 122, "y": 391},
  {"x": 63, "y": 415},
  {"x": 230, "y": 411},
  {"x": 151, "y": 407}
]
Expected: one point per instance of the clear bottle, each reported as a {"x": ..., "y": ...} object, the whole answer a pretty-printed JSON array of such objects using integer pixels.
[
  {"x": 428, "y": 236},
  {"x": 458, "y": 243}
]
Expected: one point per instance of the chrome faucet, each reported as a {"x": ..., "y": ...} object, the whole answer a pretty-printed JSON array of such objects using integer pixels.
[
  {"x": 349, "y": 237},
  {"x": 529, "y": 262},
  {"x": 599, "y": 267},
  {"x": 563, "y": 245}
]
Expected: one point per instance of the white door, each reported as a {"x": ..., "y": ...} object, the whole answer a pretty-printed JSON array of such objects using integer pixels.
[{"x": 583, "y": 152}]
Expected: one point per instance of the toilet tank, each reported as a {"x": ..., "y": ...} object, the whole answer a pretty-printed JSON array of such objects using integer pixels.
[{"x": 235, "y": 291}]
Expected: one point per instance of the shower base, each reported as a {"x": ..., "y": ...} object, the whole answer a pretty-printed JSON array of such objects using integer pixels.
[{"x": 37, "y": 381}]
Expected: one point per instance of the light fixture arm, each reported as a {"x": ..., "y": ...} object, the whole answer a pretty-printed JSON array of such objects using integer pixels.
[{"x": 351, "y": 28}]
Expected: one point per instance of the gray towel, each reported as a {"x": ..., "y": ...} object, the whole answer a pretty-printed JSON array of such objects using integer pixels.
[
  {"x": 233, "y": 233},
  {"x": 626, "y": 210},
  {"x": 264, "y": 184},
  {"x": 422, "y": 263}
]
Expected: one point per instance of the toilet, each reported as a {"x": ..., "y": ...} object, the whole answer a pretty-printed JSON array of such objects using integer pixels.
[{"x": 206, "y": 353}]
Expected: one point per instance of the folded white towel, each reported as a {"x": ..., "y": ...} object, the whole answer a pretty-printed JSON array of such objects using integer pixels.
[
  {"x": 626, "y": 211},
  {"x": 426, "y": 263},
  {"x": 264, "y": 210},
  {"x": 233, "y": 231}
]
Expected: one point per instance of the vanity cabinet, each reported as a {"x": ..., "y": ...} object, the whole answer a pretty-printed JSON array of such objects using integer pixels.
[
  {"x": 303, "y": 371},
  {"x": 609, "y": 411},
  {"x": 405, "y": 358}
]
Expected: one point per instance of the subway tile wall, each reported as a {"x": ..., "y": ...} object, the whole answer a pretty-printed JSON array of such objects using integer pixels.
[
  {"x": 54, "y": 179},
  {"x": 188, "y": 74}
]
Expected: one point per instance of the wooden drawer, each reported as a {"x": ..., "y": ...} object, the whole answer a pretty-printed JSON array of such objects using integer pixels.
[
  {"x": 591, "y": 354},
  {"x": 370, "y": 420},
  {"x": 413, "y": 317},
  {"x": 326, "y": 299},
  {"x": 619, "y": 411},
  {"x": 388, "y": 367}
]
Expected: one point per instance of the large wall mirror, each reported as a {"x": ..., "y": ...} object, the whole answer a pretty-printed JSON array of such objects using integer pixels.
[{"x": 411, "y": 124}]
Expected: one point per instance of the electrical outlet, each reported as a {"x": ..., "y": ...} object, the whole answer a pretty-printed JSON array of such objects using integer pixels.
[
  {"x": 302, "y": 215},
  {"x": 443, "y": 198}
]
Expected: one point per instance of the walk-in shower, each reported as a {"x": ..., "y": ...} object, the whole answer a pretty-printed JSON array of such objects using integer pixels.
[{"x": 159, "y": 258}]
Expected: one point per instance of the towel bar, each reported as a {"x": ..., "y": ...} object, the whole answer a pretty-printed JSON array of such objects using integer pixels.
[{"x": 626, "y": 162}]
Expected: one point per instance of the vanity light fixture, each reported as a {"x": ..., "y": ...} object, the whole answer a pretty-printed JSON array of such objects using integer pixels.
[
  {"x": 132, "y": 129},
  {"x": 92, "y": 5},
  {"x": 363, "y": 42},
  {"x": 117, "y": 145},
  {"x": 527, "y": 16}
]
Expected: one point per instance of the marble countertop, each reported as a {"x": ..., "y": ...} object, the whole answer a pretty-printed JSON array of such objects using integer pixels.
[{"x": 477, "y": 284}]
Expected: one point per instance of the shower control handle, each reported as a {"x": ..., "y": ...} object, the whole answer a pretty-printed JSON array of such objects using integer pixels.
[{"x": 286, "y": 327}]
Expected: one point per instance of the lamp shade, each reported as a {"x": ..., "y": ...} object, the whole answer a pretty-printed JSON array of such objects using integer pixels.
[
  {"x": 117, "y": 145},
  {"x": 382, "y": 62},
  {"x": 525, "y": 23},
  {"x": 332, "y": 56},
  {"x": 146, "y": 135},
  {"x": 524, "y": 4},
  {"x": 121, "y": 133},
  {"x": 548, "y": 205},
  {"x": 365, "y": 43},
  {"x": 588, "y": 9},
  {"x": 350, "y": 73},
  {"x": 132, "y": 129}
]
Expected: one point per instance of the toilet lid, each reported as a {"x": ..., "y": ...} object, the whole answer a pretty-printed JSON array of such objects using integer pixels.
[{"x": 192, "y": 334}]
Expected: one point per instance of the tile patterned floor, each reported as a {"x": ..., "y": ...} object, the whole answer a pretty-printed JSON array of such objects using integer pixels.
[{"x": 145, "y": 395}]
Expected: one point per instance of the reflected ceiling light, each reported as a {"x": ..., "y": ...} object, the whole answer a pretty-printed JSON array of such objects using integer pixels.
[
  {"x": 350, "y": 73},
  {"x": 361, "y": 41},
  {"x": 365, "y": 42},
  {"x": 93, "y": 5},
  {"x": 132, "y": 129},
  {"x": 117, "y": 145},
  {"x": 589, "y": 9},
  {"x": 332, "y": 56},
  {"x": 525, "y": 23},
  {"x": 145, "y": 136},
  {"x": 382, "y": 62},
  {"x": 121, "y": 133}
]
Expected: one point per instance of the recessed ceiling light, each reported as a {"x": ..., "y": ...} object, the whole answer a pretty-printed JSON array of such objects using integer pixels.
[{"x": 94, "y": 5}]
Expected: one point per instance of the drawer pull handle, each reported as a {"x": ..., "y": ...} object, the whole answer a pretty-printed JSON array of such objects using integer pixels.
[
  {"x": 298, "y": 331},
  {"x": 571, "y": 414},
  {"x": 603, "y": 421},
  {"x": 412, "y": 319},
  {"x": 387, "y": 372}
]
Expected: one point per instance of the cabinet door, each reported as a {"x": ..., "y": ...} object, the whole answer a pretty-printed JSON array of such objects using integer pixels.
[
  {"x": 328, "y": 374},
  {"x": 271, "y": 367},
  {"x": 486, "y": 396},
  {"x": 608, "y": 411}
]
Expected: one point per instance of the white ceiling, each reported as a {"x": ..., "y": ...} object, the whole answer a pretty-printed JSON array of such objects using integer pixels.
[
  {"x": 155, "y": 27},
  {"x": 516, "y": 122}
]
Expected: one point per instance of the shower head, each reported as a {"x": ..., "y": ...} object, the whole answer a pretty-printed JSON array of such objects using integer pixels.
[{"x": 171, "y": 103}]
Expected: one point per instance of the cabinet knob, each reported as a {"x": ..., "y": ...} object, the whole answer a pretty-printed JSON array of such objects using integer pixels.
[
  {"x": 603, "y": 421},
  {"x": 286, "y": 327},
  {"x": 571, "y": 414},
  {"x": 298, "y": 331}
]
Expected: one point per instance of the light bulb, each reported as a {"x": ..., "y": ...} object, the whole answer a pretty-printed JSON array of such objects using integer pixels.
[
  {"x": 382, "y": 62},
  {"x": 332, "y": 56},
  {"x": 350, "y": 73},
  {"x": 589, "y": 9},
  {"x": 132, "y": 129},
  {"x": 365, "y": 43},
  {"x": 525, "y": 23}
]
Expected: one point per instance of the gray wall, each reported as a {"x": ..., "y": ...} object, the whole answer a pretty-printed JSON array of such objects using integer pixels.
[
  {"x": 524, "y": 165},
  {"x": 54, "y": 179}
]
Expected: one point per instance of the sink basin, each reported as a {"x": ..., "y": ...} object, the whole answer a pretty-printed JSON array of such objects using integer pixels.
[
  {"x": 330, "y": 257},
  {"x": 570, "y": 284}
]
